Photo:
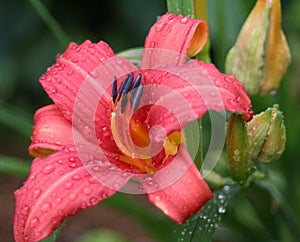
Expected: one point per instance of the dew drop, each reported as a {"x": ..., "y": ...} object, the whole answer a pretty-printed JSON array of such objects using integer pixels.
[
  {"x": 159, "y": 26},
  {"x": 117, "y": 186},
  {"x": 76, "y": 177},
  {"x": 93, "y": 201},
  {"x": 152, "y": 44},
  {"x": 72, "y": 165},
  {"x": 25, "y": 210},
  {"x": 34, "y": 222},
  {"x": 87, "y": 190},
  {"x": 69, "y": 73},
  {"x": 92, "y": 180},
  {"x": 226, "y": 188},
  {"x": 83, "y": 205},
  {"x": 184, "y": 20},
  {"x": 236, "y": 152},
  {"x": 37, "y": 234},
  {"x": 72, "y": 196},
  {"x": 53, "y": 91},
  {"x": 68, "y": 185},
  {"x": 46, "y": 207},
  {"x": 221, "y": 210},
  {"x": 105, "y": 131},
  {"x": 37, "y": 192},
  {"x": 48, "y": 169},
  {"x": 236, "y": 158}
]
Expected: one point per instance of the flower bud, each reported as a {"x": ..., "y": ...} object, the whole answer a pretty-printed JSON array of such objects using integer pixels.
[
  {"x": 237, "y": 148},
  {"x": 261, "y": 54},
  {"x": 267, "y": 135}
]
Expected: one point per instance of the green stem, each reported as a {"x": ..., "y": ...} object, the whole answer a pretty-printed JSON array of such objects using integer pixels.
[
  {"x": 184, "y": 7},
  {"x": 14, "y": 166},
  {"x": 201, "y": 12},
  {"x": 51, "y": 23}
]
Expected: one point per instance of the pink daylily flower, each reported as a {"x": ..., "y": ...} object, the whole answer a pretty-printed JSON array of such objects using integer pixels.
[{"x": 112, "y": 122}]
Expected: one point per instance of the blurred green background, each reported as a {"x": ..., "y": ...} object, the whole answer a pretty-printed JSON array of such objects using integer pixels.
[{"x": 27, "y": 48}]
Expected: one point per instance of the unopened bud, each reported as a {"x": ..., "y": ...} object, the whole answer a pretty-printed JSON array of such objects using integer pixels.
[
  {"x": 261, "y": 54},
  {"x": 267, "y": 135},
  {"x": 237, "y": 148}
]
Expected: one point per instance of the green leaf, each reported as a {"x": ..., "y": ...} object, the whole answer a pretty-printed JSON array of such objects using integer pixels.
[
  {"x": 134, "y": 55},
  {"x": 184, "y": 7},
  {"x": 51, "y": 22},
  {"x": 14, "y": 166},
  {"x": 102, "y": 235},
  {"x": 16, "y": 119},
  {"x": 154, "y": 224},
  {"x": 201, "y": 227},
  {"x": 53, "y": 236}
]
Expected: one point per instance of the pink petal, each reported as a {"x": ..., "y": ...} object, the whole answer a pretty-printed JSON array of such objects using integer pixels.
[
  {"x": 51, "y": 131},
  {"x": 171, "y": 39},
  {"x": 184, "y": 93},
  {"x": 233, "y": 93},
  {"x": 59, "y": 186},
  {"x": 178, "y": 189},
  {"x": 81, "y": 76}
]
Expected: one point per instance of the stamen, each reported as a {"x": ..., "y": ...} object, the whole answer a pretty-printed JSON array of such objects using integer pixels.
[
  {"x": 135, "y": 87},
  {"x": 124, "y": 103},
  {"x": 114, "y": 92},
  {"x": 136, "y": 95},
  {"x": 125, "y": 86},
  {"x": 137, "y": 81}
]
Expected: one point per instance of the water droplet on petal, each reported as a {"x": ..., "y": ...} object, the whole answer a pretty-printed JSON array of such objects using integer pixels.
[
  {"x": 105, "y": 131},
  {"x": 117, "y": 186},
  {"x": 53, "y": 91},
  {"x": 68, "y": 185},
  {"x": 37, "y": 234},
  {"x": 46, "y": 207},
  {"x": 159, "y": 26},
  {"x": 34, "y": 222},
  {"x": 184, "y": 20},
  {"x": 76, "y": 177},
  {"x": 72, "y": 165},
  {"x": 48, "y": 169},
  {"x": 72, "y": 196},
  {"x": 25, "y": 210},
  {"x": 92, "y": 180},
  {"x": 87, "y": 190},
  {"x": 37, "y": 192},
  {"x": 83, "y": 205},
  {"x": 93, "y": 201}
]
